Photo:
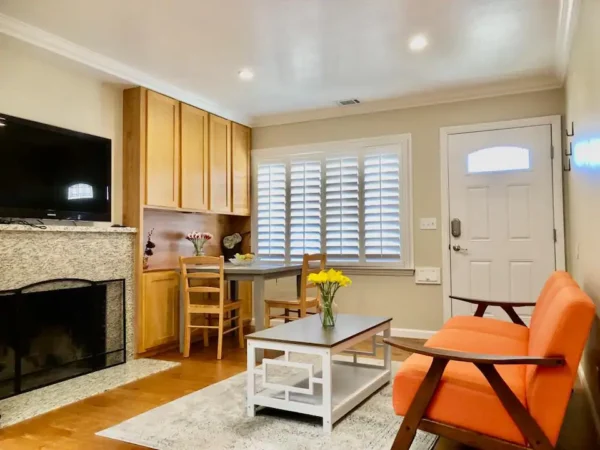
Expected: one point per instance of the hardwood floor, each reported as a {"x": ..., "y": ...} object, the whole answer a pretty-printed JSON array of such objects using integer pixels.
[{"x": 74, "y": 426}]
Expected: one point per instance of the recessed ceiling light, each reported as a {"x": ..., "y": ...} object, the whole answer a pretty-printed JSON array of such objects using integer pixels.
[
  {"x": 418, "y": 42},
  {"x": 246, "y": 74}
]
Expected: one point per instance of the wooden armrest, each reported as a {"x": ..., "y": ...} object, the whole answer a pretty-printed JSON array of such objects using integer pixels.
[
  {"x": 477, "y": 358},
  {"x": 490, "y": 302}
]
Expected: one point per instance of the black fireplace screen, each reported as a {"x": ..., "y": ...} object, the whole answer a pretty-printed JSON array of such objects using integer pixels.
[{"x": 59, "y": 329}]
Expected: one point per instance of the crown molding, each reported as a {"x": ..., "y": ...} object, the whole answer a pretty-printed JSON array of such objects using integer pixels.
[
  {"x": 567, "y": 23},
  {"x": 435, "y": 97},
  {"x": 56, "y": 44}
]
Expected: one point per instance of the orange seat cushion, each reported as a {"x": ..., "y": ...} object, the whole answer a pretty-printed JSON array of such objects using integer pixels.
[
  {"x": 487, "y": 325},
  {"x": 464, "y": 397}
]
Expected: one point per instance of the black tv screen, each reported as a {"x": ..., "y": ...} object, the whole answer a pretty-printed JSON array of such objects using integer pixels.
[{"x": 53, "y": 173}]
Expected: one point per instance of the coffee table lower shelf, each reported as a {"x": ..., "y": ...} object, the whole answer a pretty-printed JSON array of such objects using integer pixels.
[{"x": 350, "y": 386}]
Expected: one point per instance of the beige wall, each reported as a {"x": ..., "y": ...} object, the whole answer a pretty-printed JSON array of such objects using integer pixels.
[
  {"x": 583, "y": 184},
  {"x": 39, "y": 86},
  {"x": 411, "y": 306}
]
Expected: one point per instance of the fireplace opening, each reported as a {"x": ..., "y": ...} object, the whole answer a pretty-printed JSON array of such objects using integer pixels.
[{"x": 59, "y": 329}]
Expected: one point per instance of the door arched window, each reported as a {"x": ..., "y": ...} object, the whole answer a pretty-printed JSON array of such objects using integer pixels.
[{"x": 498, "y": 159}]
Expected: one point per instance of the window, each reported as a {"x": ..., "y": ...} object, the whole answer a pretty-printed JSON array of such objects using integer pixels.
[
  {"x": 348, "y": 199},
  {"x": 271, "y": 210},
  {"x": 80, "y": 191},
  {"x": 498, "y": 159}
]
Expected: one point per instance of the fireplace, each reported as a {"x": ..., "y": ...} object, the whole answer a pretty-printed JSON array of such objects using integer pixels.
[{"x": 56, "y": 330}]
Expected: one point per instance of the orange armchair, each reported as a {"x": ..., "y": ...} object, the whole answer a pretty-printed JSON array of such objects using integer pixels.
[{"x": 494, "y": 384}]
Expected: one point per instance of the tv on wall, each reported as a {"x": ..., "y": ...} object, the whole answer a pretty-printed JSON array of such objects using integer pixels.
[{"x": 53, "y": 173}]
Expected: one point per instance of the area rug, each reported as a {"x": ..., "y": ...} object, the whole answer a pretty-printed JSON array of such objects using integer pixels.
[{"x": 215, "y": 418}]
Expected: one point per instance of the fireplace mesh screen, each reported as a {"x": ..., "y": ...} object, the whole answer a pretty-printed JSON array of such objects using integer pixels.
[{"x": 59, "y": 329}]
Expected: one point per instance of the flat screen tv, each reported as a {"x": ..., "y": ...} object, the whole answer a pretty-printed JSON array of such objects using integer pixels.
[{"x": 53, "y": 173}]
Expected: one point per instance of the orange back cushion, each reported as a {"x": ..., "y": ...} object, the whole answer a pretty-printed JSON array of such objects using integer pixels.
[
  {"x": 560, "y": 328},
  {"x": 556, "y": 281}
]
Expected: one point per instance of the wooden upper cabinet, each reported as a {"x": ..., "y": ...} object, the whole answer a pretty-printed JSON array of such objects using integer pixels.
[
  {"x": 220, "y": 164},
  {"x": 162, "y": 151},
  {"x": 241, "y": 143},
  {"x": 194, "y": 158}
]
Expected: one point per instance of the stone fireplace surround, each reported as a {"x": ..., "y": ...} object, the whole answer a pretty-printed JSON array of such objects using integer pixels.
[{"x": 29, "y": 255}]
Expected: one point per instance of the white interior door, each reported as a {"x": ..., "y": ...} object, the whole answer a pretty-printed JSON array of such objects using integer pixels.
[{"x": 501, "y": 193}]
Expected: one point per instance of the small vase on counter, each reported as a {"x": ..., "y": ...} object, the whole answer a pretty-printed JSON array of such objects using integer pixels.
[{"x": 198, "y": 240}]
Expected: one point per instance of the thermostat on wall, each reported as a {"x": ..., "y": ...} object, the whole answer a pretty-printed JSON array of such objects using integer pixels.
[{"x": 427, "y": 275}]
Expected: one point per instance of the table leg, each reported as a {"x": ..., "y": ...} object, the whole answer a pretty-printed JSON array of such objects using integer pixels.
[
  {"x": 233, "y": 290},
  {"x": 258, "y": 300},
  {"x": 250, "y": 387},
  {"x": 387, "y": 350},
  {"x": 298, "y": 285},
  {"x": 327, "y": 392},
  {"x": 233, "y": 296}
]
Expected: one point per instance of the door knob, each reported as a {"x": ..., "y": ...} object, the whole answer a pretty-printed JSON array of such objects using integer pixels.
[{"x": 458, "y": 248}]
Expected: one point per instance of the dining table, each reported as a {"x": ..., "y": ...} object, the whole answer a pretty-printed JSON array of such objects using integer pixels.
[{"x": 258, "y": 272}]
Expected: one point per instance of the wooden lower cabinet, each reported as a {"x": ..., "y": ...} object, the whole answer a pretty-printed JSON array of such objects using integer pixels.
[{"x": 160, "y": 309}]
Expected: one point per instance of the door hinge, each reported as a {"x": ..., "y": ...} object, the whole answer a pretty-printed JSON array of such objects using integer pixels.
[
  {"x": 552, "y": 152},
  {"x": 555, "y": 235}
]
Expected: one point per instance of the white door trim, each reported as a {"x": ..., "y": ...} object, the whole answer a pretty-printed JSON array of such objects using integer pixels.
[{"x": 557, "y": 183}]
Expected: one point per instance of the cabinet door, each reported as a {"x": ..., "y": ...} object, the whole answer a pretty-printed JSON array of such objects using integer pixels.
[
  {"x": 160, "y": 308},
  {"x": 194, "y": 158},
  {"x": 162, "y": 151},
  {"x": 220, "y": 164},
  {"x": 241, "y": 169}
]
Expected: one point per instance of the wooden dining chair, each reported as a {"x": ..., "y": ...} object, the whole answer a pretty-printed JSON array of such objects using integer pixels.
[
  {"x": 206, "y": 307},
  {"x": 301, "y": 305}
]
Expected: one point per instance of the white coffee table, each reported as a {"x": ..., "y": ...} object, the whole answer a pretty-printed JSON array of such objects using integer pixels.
[{"x": 313, "y": 377}]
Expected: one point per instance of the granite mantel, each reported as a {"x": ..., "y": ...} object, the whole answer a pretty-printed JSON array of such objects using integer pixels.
[{"x": 30, "y": 255}]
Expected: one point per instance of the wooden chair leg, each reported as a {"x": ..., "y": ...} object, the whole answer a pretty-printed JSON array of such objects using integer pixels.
[
  {"x": 205, "y": 331},
  {"x": 416, "y": 411},
  {"x": 267, "y": 316},
  {"x": 518, "y": 413},
  {"x": 187, "y": 336},
  {"x": 220, "y": 342},
  {"x": 287, "y": 315},
  {"x": 240, "y": 330}
]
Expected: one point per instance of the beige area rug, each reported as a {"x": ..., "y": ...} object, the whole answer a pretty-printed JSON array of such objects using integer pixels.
[{"x": 215, "y": 418}]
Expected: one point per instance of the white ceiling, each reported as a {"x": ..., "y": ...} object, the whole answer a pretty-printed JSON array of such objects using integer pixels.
[{"x": 306, "y": 54}]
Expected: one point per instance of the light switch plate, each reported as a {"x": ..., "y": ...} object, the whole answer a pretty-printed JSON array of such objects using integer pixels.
[
  {"x": 428, "y": 223},
  {"x": 427, "y": 275}
]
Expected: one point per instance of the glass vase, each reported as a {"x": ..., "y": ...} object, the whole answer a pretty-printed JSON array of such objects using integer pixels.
[
  {"x": 199, "y": 250},
  {"x": 328, "y": 311}
]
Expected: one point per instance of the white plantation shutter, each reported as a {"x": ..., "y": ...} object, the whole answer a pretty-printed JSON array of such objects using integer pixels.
[
  {"x": 342, "y": 209},
  {"x": 349, "y": 199},
  {"x": 271, "y": 211},
  {"x": 382, "y": 207},
  {"x": 305, "y": 208}
]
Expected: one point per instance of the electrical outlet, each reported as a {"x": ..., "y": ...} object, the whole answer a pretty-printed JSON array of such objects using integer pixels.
[{"x": 428, "y": 223}]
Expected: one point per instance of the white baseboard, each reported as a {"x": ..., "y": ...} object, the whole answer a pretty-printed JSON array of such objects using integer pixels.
[
  {"x": 411, "y": 333},
  {"x": 396, "y": 332}
]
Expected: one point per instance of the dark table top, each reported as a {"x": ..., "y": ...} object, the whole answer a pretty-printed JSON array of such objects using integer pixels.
[{"x": 309, "y": 331}]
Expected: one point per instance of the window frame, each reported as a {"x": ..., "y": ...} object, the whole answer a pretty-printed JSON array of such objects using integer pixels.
[{"x": 352, "y": 147}]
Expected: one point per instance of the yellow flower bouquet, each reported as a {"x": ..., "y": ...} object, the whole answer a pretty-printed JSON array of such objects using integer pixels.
[{"x": 328, "y": 282}]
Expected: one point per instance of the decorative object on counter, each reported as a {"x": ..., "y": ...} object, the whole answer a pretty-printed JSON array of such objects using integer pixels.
[
  {"x": 148, "y": 250},
  {"x": 199, "y": 239},
  {"x": 243, "y": 260},
  {"x": 232, "y": 245},
  {"x": 328, "y": 283}
]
